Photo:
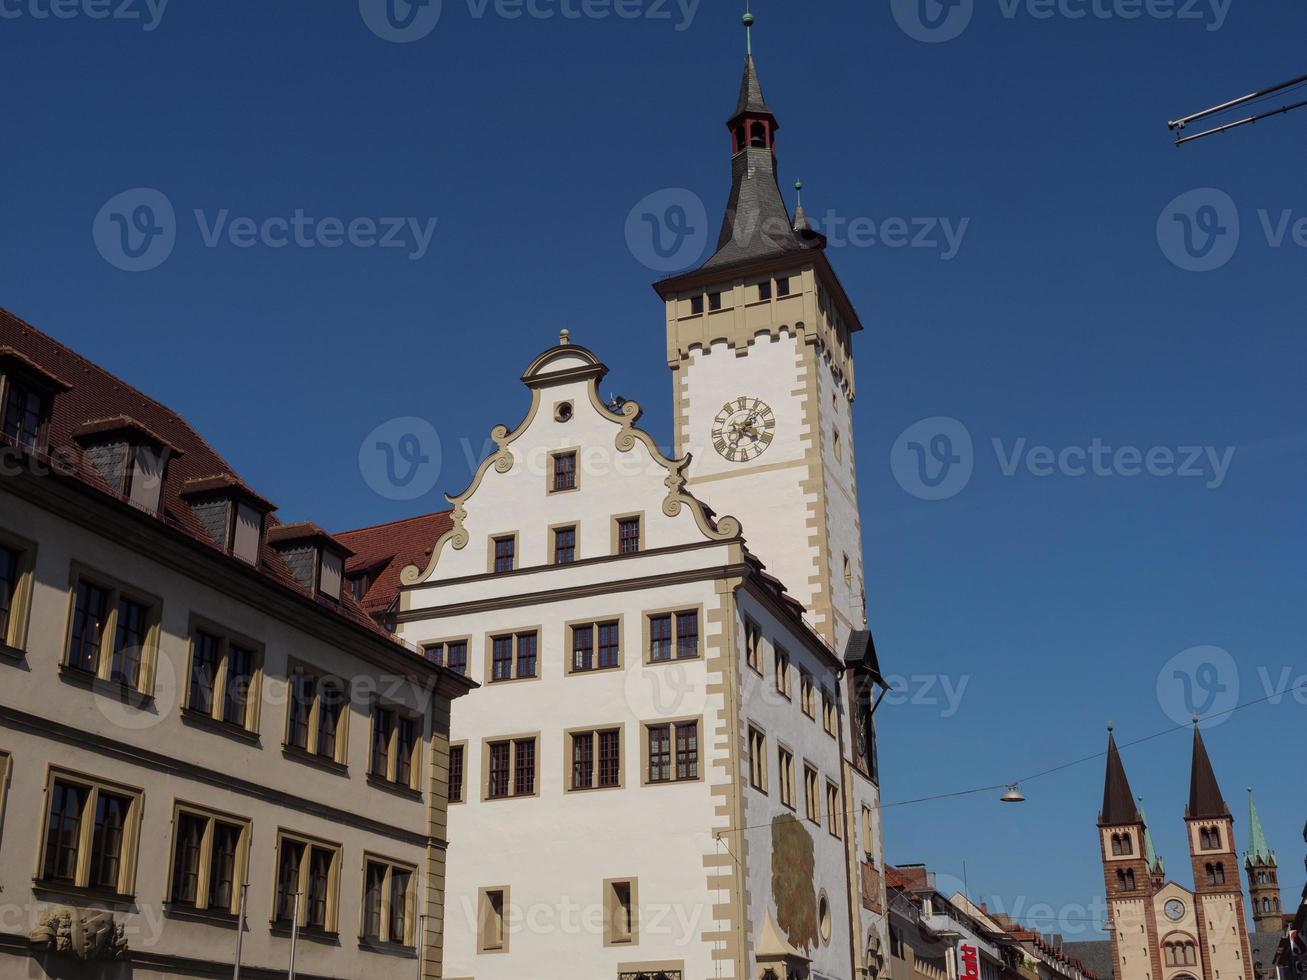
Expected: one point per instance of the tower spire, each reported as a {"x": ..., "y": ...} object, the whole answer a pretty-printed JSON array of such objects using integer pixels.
[
  {"x": 1257, "y": 849},
  {"x": 1155, "y": 864},
  {"x": 1205, "y": 799},
  {"x": 748, "y": 29},
  {"x": 1118, "y": 802}
]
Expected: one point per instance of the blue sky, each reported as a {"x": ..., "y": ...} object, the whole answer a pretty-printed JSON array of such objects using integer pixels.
[{"x": 1064, "y": 314}]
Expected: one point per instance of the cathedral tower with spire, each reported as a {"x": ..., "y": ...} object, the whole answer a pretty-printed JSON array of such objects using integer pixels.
[
  {"x": 1263, "y": 875},
  {"x": 1160, "y": 929}
]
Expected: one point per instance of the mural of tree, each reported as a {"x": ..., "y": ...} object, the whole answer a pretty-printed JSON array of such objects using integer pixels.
[{"x": 792, "y": 872}]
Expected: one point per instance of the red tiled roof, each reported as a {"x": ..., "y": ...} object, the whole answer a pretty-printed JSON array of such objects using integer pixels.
[
  {"x": 91, "y": 397},
  {"x": 304, "y": 531},
  {"x": 384, "y": 550}
]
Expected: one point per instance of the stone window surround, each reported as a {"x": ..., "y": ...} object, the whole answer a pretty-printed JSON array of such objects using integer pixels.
[
  {"x": 14, "y": 642},
  {"x": 490, "y": 550},
  {"x": 575, "y": 528},
  {"x": 117, "y": 590},
  {"x": 309, "y": 753},
  {"x": 785, "y": 774},
  {"x": 593, "y": 730},
  {"x": 757, "y": 753},
  {"x": 512, "y": 741},
  {"x": 697, "y": 720},
  {"x": 331, "y": 926},
  {"x": 387, "y": 779},
  {"x": 131, "y": 831},
  {"x": 595, "y": 622},
  {"x": 254, "y": 697},
  {"x": 616, "y": 524},
  {"x": 538, "y": 630},
  {"x": 462, "y": 798},
  {"x": 242, "y": 878},
  {"x": 486, "y": 943},
  {"x": 411, "y": 899},
  {"x": 612, "y": 936},
  {"x": 675, "y": 612}
]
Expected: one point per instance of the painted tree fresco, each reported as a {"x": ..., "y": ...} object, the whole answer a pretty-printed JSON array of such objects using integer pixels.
[{"x": 792, "y": 872}]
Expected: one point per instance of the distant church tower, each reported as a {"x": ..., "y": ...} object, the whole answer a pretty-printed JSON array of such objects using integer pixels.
[
  {"x": 1160, "y": 929},
  {"x": 760, "y": 342},
  {"x": 1263, "y": 879}
]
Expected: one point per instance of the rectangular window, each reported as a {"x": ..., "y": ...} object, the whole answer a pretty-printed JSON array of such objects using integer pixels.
[
  {"x": 834, "y": 811},
  {"x": 785, "y": 772},
  {"x": 811, "y": 799},
  {"x": 208, "y": 860},
  {"x": 764, "y": 290},
  {"x": 318, "y": 713},
  {"x": 564, "y": 545},
  {"x": 24, "y": 415},
  {"x": 505, "y": 554},
  {"x": 674, "y": 636},
  {"x": 620, "y": 927},
  {"x": 696, "y": 304},
  {"x": 564, "y": 474},
  {"x": 807, "y": 695},
  {"x": 596, "y": 646},
  {"x": 91, "y": 834},
  {"x": 388, "y": 903},
  {"x": 714, "y": 301},
  {"x": 628, "y": 535},
  {"x": 110, "y": 633},
  {"x": 757, "y": 760},
  {"x": 492, "y": 923},
  {"x": 596, "y": 759},
  {"x": 673, "y": 752},
  {"x": 396, "y": 747},
  {"x": 90, "y": 610},
  {"x": 9, "y": 559},
  {"x": 783, "y": 286},
  {"x": 456, "y": 753},
  {"x": 224, "y": 679},
  {"x": 868, "y": 835},
  {"x": 753, "y": 645},
  {"x": 511, "y": 767},
  {"x": 456, "y": 656},
  {"x": 311, "y": 870},
  {"x": 829, "y": 715},
  {"x": 129, "y": 640},
  {"x": 514, "y": 656},
  {"x": 782, "y": 666}
]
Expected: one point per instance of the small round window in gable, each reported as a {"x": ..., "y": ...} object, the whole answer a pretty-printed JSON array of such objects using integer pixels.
[{"x": 563, "y": 412}]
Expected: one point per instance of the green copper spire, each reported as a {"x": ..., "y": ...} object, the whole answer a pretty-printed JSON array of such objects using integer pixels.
[
  {"x": 748, "y": 27},
  {"x": 1150, "y": 851},
  {"x": 1257, "y": 849}
]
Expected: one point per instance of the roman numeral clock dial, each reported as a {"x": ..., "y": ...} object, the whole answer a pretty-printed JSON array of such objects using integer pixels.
[{"x": 743, "y": 429}]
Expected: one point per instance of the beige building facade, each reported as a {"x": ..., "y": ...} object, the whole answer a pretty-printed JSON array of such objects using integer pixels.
[{"x": 197, "y": 722}]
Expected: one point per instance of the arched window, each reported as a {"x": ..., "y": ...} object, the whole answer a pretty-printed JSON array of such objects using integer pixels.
[
  {"x": 1190, "y": 954},
  {"x": 1211, "y": 873},
  {"x": 1261, "y": 877},
  {"x": 758, "y": 134},
  {"x": 1170, "y": 955},
  {"x": 1277, "y": 904},
  {"x": 1116, "y": 845},
  {"x": 1266, "y": 905},
  {"x": 1220, "y": 873},
  {"x": 1127, "y": 844},
  {"x": 1130, "y": 880}
]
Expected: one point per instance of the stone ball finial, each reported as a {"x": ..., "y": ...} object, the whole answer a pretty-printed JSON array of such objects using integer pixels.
[
  {"x": 564, "y": 337},
  {"x": 748, "y": 20}
]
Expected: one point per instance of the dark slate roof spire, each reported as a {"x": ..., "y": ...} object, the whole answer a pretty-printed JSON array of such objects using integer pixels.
[
  {"x": 757, "y": 224},
  {"x": 1205, "y": 799},
  {"x": 1119, "y": 805}
]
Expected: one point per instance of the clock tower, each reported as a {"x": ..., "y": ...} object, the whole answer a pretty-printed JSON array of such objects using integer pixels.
[{"x": 760, "y": 343}]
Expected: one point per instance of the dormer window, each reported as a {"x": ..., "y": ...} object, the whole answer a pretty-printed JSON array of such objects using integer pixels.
[
  {"x": 25, "y": 415},
  {"x": 26, "y": 396},
  {"x": 232, "y": 514},
  {"x": 131, "y": 459},
  {"x": 314, "y": 558}
]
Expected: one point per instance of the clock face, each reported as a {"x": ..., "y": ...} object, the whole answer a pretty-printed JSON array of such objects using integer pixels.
[
  {"x": 743, "y": 429},
  {"x": 1175, "y": 910}
]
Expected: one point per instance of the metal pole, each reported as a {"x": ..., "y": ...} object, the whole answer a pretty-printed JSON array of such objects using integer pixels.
[
  {"x": 1185, "y": 121},
  {"x": 294, "y": 936},
  {"x": 240, "y": 934},
  {"x": 421, "y": 941},
  {"x": 1240, "y": 122}
]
